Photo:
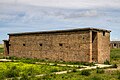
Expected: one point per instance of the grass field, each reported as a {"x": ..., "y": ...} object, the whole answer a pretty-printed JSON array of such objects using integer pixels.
[
  {"x": 17, "y": 69},
  {"x": 94, "y": 75},
  {"x": 98, "y": 74},
  {"x": 1, "y": 48},
  {"x": 115, "y": 56},
  {"x": 1, "y": 45}
]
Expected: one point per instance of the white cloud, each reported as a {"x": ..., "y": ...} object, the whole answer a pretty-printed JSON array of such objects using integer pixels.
[
  {"x": 85, "y": 13},
  {"x": 39, "y": 18},
  {"x": 25, "y": 13},
  {"x": 70, "y": 3}
]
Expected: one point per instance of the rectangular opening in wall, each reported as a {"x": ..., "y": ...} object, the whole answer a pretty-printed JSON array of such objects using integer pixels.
[
  {"x": 60, "y": 44},
  {"x": 40, "y": 44},
  {"x": 9, "y": 44},
  {"x": 23, "y": 44},
  {"x": 115, "y": 44},
  {"x": 103, "y": 33},
  {"x": 6, "y": 47}
]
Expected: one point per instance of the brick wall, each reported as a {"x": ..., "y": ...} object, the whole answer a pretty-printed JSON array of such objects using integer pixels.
[
  {"x": 103, "y": 47},
  {"x": 65, "y": 46},
  {"x": 82, "y": 46}
]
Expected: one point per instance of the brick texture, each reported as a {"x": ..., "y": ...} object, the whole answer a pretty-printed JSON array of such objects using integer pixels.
[{"x": 81, "y": 46}]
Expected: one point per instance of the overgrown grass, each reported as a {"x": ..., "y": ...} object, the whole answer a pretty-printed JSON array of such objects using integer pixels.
[
  {"x": 16, "y": 69},
  {"x": 1, "y": 50},
  {"x": 78, "y": 76},
  {"x": 98, "y": 74},
  {"x": 115, "y": 56},
  {"x": 33, "y": 60},
  {"x": 26, "y": 67},
  {"x": 1, "y": 45}
]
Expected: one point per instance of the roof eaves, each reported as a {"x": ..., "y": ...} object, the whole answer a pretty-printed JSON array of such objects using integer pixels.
[{"x": 58, "y": 31}]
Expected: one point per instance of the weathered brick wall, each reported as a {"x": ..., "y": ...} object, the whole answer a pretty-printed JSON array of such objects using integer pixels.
[
  {"x": 66, "y": 46},
  {"x": 103, "y": 47}
]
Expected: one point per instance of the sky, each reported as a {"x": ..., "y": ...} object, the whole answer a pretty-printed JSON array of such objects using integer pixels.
[{"x": 45, "y": 15}]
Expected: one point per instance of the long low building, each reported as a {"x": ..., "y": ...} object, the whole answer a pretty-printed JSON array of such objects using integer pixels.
[
  {"x": 76, "y": 45},
  {"x": 115, "y": 44}
]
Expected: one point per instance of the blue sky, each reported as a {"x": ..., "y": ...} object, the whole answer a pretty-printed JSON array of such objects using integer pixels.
[{"x": 41, "y": 15}]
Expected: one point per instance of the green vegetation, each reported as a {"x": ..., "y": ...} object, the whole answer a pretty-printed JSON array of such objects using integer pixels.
[
  {"x": 78, "y": 76},
  {"x": 115, "y": 56},
  {"x": 32, "y": 61},
  {"x": 27, "y": 69},
  {"x": 1, "y": 45},
  {"x": 85, "y": 72},
  {"x": 1, "y": 50},
  {"x": 16, "y": 69},
  {"x": 107, "y": 62},
  {"x": 99, "y": 71}
]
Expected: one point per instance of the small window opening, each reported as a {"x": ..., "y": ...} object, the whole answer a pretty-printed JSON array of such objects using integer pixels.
[
  {"x": 40, "y": 44},
  {"x": 23, "y": 44},
  {"x": 115, "y": 44},
  {"x": 104, "y": 33},
  {"x": 60, "y": 44},
  {"x": 83, "y": 38},
  {"x": 9, "y": 44}
]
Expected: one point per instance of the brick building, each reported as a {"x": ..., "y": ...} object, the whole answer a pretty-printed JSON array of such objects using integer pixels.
[
  {"x": 82, "y": 45},
  {"x": 115, "y": 44}
]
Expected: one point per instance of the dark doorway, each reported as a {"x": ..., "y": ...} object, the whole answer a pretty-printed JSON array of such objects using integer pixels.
[
  {"x": 6, "y": 47},
  {"x": 115, "y": 44},
  {"x": 94, "y": 47}
]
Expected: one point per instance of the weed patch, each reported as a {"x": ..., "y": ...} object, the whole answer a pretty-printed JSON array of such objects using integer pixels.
[{"x": 85, "y": 72}]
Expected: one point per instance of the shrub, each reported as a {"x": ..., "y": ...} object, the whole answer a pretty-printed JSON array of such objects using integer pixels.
[
  {"x": 30, "y": 71},
  {"x": 7, "y": 57},
  {"x": 118, "y": 75},
  {"x": 24, "y": 77},
  {"x": 54, "y": 70},
  {"x": 28, "y": 61},
  {"x": 114, "y": 66},
  {"x": 2, "y": 76},
  {"x": 107, "y": 62},
  {"x": 88, "y": 64},
  {"x": 15, "y": 78},
  {"x": 12, "y": 72},
  {"x": 85, "y": 72},
  {"x": 100, "y": 71},
  {"x": 12, "y": 58},
  {"x": 79, "y": 66},
  {"x": 55, "y": 64},
  {"x": 74, "y": 70},
  {"x": 47, "y": 77},
  {"x": 96, "y": 78}
]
